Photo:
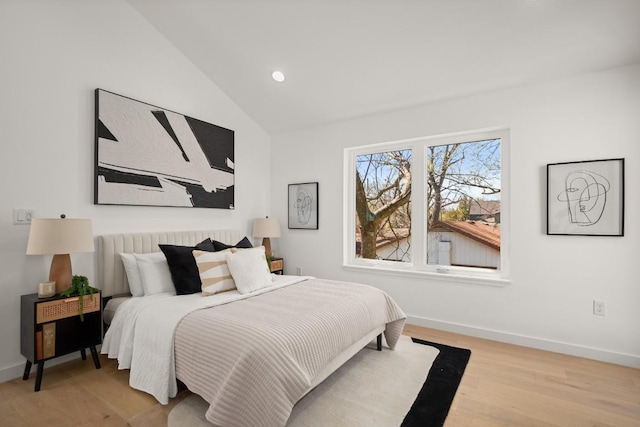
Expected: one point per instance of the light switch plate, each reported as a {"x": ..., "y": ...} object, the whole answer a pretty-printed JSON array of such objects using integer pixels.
[{"x": 22, "y": 216}]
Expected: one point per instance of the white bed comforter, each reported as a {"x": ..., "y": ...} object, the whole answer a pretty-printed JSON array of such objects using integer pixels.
[{"x": 141, "y": 335}]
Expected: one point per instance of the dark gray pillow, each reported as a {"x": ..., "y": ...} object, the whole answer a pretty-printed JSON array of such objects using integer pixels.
[
  {"x": 245, "y": 243},
  {"x": 183, "y": 267}
]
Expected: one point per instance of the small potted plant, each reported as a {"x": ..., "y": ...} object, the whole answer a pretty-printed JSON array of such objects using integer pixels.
[{"x": 80, "y": 286}]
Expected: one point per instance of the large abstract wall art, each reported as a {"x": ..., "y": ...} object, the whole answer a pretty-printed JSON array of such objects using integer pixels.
[
  {"x": 586, "y": 198},
  {"x": 150, "y": 156}
]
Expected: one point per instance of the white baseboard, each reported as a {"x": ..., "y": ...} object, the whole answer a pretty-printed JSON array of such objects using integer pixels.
[
  {"x": 525, "y": 341},
  {"x": 16, "y": 371}
]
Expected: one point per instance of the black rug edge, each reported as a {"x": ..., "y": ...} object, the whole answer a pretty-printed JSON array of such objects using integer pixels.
[{"x": 432, "y": 405}]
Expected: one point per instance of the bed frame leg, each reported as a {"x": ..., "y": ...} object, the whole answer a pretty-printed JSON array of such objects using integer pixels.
[{"x": 379, "y": 342}]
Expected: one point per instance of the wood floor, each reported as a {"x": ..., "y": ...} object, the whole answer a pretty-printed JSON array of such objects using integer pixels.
[{"x": 504, "y": 385}]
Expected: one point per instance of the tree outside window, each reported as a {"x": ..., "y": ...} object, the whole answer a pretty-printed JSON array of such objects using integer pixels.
[{"x": 383, "y": 205}]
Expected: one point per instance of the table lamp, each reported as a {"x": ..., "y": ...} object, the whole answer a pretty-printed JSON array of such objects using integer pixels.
[
  {"x": 266, "y": 228},
  {"x": 60, "y": 237}
]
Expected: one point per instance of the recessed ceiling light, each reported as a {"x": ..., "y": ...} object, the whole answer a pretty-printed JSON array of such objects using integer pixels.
[{"x": 278, "y": 76}]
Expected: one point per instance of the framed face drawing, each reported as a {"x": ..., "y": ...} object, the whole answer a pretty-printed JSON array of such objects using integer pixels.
[
  {"x": 586, "y": 198},
  {"x": 303, "y": 206}
]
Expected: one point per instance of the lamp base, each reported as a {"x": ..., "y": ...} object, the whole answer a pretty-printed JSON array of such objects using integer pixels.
[
  {"x": 266, "y": 242},
  {"x": 61, "y": 272}
]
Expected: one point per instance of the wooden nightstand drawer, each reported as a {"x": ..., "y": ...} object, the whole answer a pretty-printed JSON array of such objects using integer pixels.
[
  {"x": 62, "y": 308},
  {"x": 277, "y": 265}
]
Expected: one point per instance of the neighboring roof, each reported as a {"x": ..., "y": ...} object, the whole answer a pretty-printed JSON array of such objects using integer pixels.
[
  {"x": 484, "y": 207},
  {"x": 485, "y": 233},
  {"x": 388, "y": 237}
]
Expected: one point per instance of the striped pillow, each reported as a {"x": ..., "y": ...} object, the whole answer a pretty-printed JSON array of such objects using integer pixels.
[{"x": 214, "y": 272}]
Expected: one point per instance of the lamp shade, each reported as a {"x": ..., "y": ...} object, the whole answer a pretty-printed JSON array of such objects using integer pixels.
[
  {"x": 266, "y": 227},
  {"x": 60, "y": 236}
]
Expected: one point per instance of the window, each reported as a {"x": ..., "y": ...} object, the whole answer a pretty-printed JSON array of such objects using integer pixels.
[
  {"x": 436, "y": 205},
  {"x": 383, "y": 205}
]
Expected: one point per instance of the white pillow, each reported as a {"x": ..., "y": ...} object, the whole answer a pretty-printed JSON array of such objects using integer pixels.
[
  {"x": 133, "y": 274},
  {"x": 249, "y": 269},
  {"x": 155, "y": 274},
  {"x": 214, "y": 272}
]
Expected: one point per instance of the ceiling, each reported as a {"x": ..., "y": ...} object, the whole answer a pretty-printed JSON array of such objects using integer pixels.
[{"x": 348, "y": 58}]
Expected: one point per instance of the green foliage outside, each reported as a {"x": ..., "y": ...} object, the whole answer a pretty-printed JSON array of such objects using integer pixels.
[{"x": 459, "y": 213}]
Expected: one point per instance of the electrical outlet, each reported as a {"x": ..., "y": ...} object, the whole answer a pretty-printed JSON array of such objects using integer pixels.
[{"x": 598, "y": 307}]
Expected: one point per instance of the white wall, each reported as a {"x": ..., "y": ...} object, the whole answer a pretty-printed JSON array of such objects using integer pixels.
[
  {"x": 554, "y": 278},
  {"x": 54, "y": 54}
]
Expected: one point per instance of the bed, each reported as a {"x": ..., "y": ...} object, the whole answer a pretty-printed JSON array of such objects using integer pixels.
[{"x": 251, "y": 355}]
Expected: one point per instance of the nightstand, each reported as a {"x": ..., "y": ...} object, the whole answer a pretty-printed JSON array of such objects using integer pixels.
[
  {"x": 51, "y": 327},
  {"x": 277, "y": 265}
]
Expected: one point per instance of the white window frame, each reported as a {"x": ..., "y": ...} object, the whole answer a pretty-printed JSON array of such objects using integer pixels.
[{"x": 418, "y": 266}]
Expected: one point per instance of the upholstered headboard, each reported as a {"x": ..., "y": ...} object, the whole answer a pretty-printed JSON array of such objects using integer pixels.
[{"x": 111, "y": 276}]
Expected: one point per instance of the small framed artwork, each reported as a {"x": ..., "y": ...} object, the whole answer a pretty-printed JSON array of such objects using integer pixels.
[
  {"x": 303, "y": 206},
  {"x": 586, "y": 198}
]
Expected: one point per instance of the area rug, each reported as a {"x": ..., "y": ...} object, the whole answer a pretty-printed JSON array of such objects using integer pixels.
[{"x": 372, "y": 389}]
